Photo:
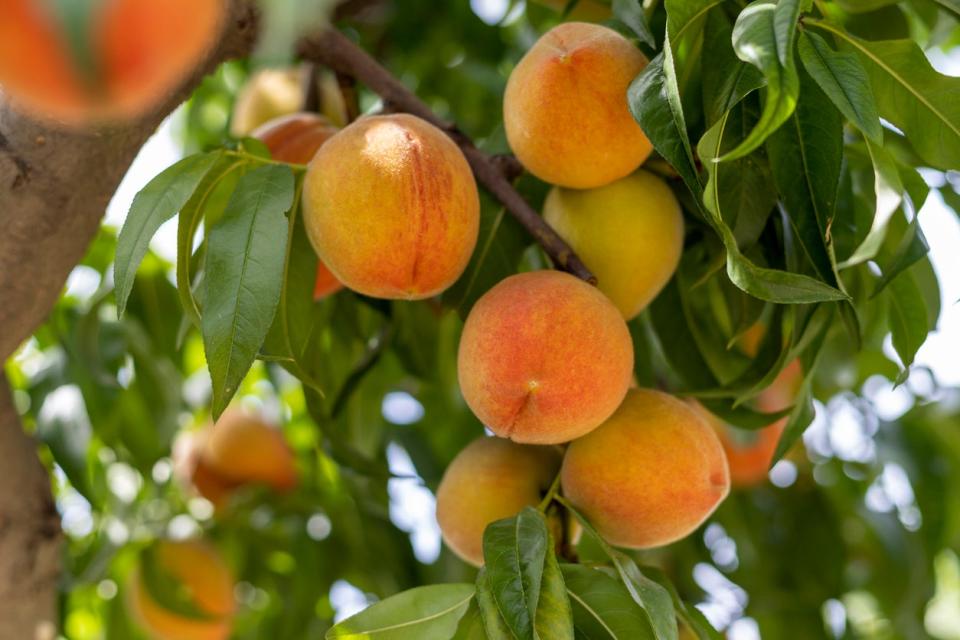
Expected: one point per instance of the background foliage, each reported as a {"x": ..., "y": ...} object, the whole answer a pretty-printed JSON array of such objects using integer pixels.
[{"x": 812, "y": 203}]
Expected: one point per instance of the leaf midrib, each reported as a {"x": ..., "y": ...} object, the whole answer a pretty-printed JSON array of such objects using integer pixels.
[{"x": 409, "y": 623}]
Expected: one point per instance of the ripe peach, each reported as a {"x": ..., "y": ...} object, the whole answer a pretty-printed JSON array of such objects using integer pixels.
[
  {"x": 391, "y": 207},
  {"x": 629, "y": 233},
  {"x": 296, "y": 138},
  {"x": 203, "y": 575},
  {"x": 565, "y": 107},
  {"x": 240, "y": 449},
  {"x": 749, "y": 453},
  {"x": 648, "y": 476},
  {"x": 243, "y": 448},
  {"x": 544, "y": 358},
  {"x": 268, "y": 94},
  {"x": 490, "y": 479},
  {"x": 125, "y": 58}
]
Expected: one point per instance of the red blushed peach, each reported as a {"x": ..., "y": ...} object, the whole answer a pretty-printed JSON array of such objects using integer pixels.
[
  {"x": 648, "y": 476},
  {"x": 490, "y": 479},
  {"x": 391, "y": 207},
  {"x": 544, "y": 358},
  {"x": 565, "y": 107}
]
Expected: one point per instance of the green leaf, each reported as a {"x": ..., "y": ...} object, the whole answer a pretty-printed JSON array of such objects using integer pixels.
[
  {"x": 652, "y": 598},
  {"x": 677, "y": 339},
  {"x": 842, "y": 77},
  {"x": 554, "y": 619},
  {"x": 208, "y": 200},
  {"x": 654, "y": 101},
  {"x": 911, "y": 248},
  {"x": 493, "y": 624},
  {"x": 912, "y": 95},
  {"x": 763, "y": 283},
  {"x": 726, "y": 79},
  {"x": 602, "y": 607},
  {"x": 684, "y": 17},
  {"x": 889, "y": 194},
  {"x": 907, "y": 317},
  {"x": 244, "y": 276},
  {"x": 806, "y": 154},
  {"x": 514, "y": 552},
  {"x": 156, "y": 203},
  {"x": 424, "y": 612},
  {"x": 630, "y": 13},
  {"x": 471, "y": 624},
  {"x": 763, "y": 36}
]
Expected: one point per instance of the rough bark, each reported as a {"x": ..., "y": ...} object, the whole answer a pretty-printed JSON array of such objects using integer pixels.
[{"x": 29, "y": 534}]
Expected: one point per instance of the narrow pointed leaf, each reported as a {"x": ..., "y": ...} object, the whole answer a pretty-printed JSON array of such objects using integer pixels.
[
  {"x": 630, "y": 13},
  {"x": 844, "y": 80},
  {"x": 156, "y": 203},
  {"x": 889, "y": 194},
  {"x": 424, "y": 612},
  {"x": 908, "y": 318},
  {"x": 244, "y": 275},
  {"x": 602, "y": 606}
]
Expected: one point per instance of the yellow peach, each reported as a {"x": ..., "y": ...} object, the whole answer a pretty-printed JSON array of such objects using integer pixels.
[
  {"x": 648, "y": 476},
  {"x": 629, "y": 233},
  {"x": 489, "y": 480},
  {"x": 565, "y": 107},
  {"x": 391, "y": 207},
  {"x": 544, "y": 358}
]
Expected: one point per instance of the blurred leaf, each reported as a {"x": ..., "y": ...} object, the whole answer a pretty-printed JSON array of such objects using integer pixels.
[
  {"x": 602, "y": 607},
  {"x": 763, "y": 36},
  {"x": 912, "y": 248},
  {"x": 244, "y": 276},
  {"x": 630, "y": 13},
  {"x": 169, "y": 592},
  {"x": 911, "y": 95},
  {"x": 156, "y": 203},
  {"x": 514, "y": 552},
  {"x": 908, "y": 318},
  {"x": 842, "y": 78},
  {"x": 424, "y": 612}
]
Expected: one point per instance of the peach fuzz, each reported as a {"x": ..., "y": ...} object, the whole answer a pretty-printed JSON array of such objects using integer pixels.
[
  {"x": 490, "y": 479},
  {"x": 392, "y": 208},
  {"x": 650, "y": 475},
  {"x": 295, "y": 138},
  {"x": 565, "y": 107},
  {"x": 204, "y": 575},
  {"x": 629, "y": 233},
  {"x": 544, "y": 358}
]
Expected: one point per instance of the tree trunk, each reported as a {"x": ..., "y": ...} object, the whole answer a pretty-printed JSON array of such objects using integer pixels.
[{"x": 55, "y": 184}]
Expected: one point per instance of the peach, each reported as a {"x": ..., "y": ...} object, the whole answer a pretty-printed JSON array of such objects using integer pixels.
[
  {"x": 240, "y": 449},
  {"x": 124, "y": 59},
  {"x": 629, "y": 233},
  {"x": 489, "y": 480},
  {"x": 565, "y": 107},
  {"x": 296, "y": 138},
  {"x": 392, "y": 208},
  {"x": 203, "y": 575},
  {"x": 750, "y": 452},
  {"x": 267, "y": 94},
  {"x": 544, "y": 358},
  {"x": 650, "y": 475}
]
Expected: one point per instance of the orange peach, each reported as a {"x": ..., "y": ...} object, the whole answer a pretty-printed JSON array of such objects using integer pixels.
[
  {"x": 267, "y": 94},
  {"x": 296, "y": 138},
  {"x": 243, "y": 448},
  {"x": 648, "y": 476},
  {"x": 201, "y": 574},
  {"x": 565, "y": 107},
  {"x": 124, "y": 59},
  {"x": 392, "y": 208},
  {"x": 489, "y": 480},
  {"x": 544, "y": 358}
]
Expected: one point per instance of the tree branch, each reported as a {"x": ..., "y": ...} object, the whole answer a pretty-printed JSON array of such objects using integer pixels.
[{"x": 336, "y": 51}]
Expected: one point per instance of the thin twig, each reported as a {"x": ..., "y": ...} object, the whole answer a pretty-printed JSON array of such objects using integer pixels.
[{"x": 334, "y": 50}]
